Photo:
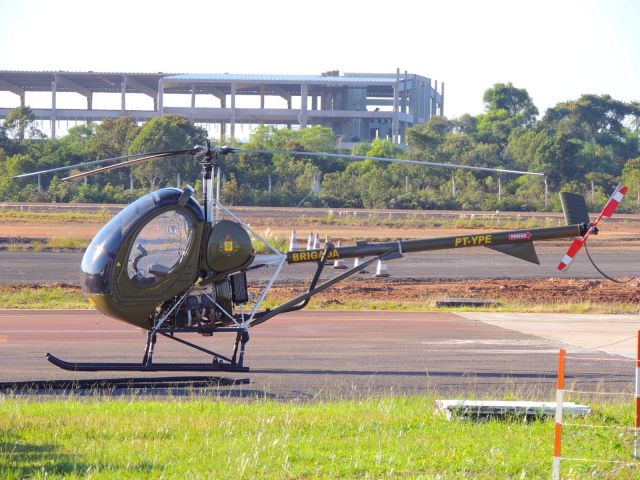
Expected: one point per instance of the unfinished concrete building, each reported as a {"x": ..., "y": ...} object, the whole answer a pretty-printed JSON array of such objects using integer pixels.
[{"x": 356, "y": 106}]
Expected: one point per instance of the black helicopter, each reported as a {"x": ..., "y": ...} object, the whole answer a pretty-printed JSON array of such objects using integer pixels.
[{"x": 170, "y": 266}]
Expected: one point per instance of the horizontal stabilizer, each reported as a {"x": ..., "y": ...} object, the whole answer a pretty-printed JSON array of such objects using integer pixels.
[
  {"x": 574, "y": 208},
  {"x": 522, "y": 250}
]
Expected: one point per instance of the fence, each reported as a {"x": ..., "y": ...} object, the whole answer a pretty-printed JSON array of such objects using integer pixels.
[{"x": 560, "y": 393}]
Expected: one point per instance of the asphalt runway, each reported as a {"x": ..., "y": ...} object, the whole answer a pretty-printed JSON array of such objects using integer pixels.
[
  {"x": 317, "y": 355},
  {"x": 46, "y": 268}
]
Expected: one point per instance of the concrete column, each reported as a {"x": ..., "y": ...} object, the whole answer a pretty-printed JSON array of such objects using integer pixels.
[
  {"x": 262, "y": 97},
  {"x": 314, "y": 102},
  {"x": 405, "y": 93},
  {"x": 223, "y": 132},
  {"x": 304, "y": 93},
  {"x": 434, "y": 99},
  {"x": 233, "y": 111},
  {"x": 22, "y": 101},
  {"x": 158, "y": 105},
  {"x": 88, "y": 121},
  {"x": 54, "y": 86},
  {"x": 394, "y": 124},
  {"x": 193, "y": 101},
  {"x": 424, "y": 108},
  {"x": 427, "y": 99},
  {"x": 223, "y": 125},
  {"x": 421, "y": 91},
  {"x": 123, "y": 95},
  {"x": 442, "y": 99}
]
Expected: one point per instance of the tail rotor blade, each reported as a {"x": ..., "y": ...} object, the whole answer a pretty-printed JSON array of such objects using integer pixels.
[
  {"x": 613, "y": 202},
  {"x": 575, "y": 247}
]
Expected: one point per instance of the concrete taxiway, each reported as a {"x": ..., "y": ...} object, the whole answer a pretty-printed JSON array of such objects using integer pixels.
[{"x": 308, "y": 355}]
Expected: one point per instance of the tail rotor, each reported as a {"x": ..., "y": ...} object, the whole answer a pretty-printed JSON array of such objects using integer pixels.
[{"x": 592, "y": 228}]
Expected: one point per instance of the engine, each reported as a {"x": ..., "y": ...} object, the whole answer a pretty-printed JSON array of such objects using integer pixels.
[{"x": 208, "y": 307}]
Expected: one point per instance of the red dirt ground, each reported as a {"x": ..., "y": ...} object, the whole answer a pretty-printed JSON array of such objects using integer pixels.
[{"x": 544, "y": 291}]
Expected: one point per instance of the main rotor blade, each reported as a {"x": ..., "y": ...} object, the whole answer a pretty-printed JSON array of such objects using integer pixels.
[
  {"x": 391, "y": 160},
  {"x": 129, "y": 163},
  {"x": 79, "y": 165}
]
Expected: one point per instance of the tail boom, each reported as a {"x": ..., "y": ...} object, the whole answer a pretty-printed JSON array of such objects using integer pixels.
[{"x": 490, "y": 240}]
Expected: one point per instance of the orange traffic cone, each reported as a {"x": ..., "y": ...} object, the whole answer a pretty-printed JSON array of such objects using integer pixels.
[
  {"x": 339, "y": 263},
  {"x": 381, "y": 270},
  {"x": 293, "y": 244},
  {"x": 316, "y": 242},
  {"x": 310, "y": 241}
]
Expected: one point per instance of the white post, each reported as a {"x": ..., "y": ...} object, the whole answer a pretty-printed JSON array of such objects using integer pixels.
[
  {"x": 557, "y": 447},
  {"x": 636, "y": 452},
  {"x": 546, "y": 192}
]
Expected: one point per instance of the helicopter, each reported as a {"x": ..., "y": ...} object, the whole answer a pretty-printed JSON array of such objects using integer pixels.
[{"x": 171, "y": 266}]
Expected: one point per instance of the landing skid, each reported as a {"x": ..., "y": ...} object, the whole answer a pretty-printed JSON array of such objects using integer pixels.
[
  {"x": 219, "y": 363},
  {"x": 139, "y": 367}
]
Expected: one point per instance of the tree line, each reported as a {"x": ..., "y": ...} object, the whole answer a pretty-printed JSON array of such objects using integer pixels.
[{"x": 585, "y": 145}]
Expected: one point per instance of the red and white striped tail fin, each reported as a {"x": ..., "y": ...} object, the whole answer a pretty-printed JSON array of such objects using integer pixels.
[{"x": 608, "y": 210}]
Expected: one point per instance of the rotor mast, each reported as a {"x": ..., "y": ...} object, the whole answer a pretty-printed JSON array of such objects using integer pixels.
[{"x": 211, "y": 171}]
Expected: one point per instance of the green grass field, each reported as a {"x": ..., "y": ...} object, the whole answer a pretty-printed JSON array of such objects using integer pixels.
[{"x": 374, "y": 438}]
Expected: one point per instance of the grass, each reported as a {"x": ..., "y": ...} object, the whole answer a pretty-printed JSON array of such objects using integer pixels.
[
  {"x": 430, "y": 306},
  {"x": 59, "y": 244},
  {"x": 280, "y": 243},
  {"x": 508, "y": 220},
  {"x": 71, "y": 297},
  {"x": 54, "y": 218},
  {"x": 386, "y": 437},
  {"x": 42, "y": 297}
]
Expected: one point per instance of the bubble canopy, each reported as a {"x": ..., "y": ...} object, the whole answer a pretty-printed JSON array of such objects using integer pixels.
[{"x": 172, "y": 229}]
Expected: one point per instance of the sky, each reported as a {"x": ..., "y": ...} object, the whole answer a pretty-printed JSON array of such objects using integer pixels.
[{"x": 556, "y": 50}]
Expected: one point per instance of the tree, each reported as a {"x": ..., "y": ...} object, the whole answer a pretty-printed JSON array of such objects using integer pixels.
[
  {"x": 507, "y": 108},
  {"x": 20, "y": 123},
  {"x": 114, "y": 137},
  {"x": 515, "y": 101},
  {"x": 592, "y": 117},
  {"x": 171, "y": 132},
  {"x": 425, "y": 139},
  {"x": 383, "y": 148},
  {"x": 631, "y": 177},
  {"x": 556, "y": 157}
]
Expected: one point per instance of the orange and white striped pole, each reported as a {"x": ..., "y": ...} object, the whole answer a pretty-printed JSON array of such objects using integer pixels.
[
  {"x": 636, "y": 448},
  {"x": 557, "y": 446}
]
